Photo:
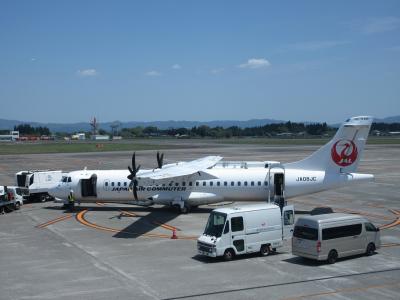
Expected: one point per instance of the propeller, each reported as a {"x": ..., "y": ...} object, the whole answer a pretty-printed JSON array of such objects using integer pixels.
[
  {"x": 160, "y": 159},
  {"x": 132, "y": 176}
]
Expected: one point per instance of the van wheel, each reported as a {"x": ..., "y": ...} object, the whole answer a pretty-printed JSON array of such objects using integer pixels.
[
  {"x": 229, "y": 254},
  {"x": 332, "y": 257},
  {"x": 370, "y": 249},
  {"x": 17, "y": 205},
  {"x": 265, "y": 250}
]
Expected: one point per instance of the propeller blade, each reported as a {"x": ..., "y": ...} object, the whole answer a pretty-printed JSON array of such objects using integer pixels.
[
  {"x": 160, "y": 158},
  {"x": 135, "y": 190},
  {"x": 134, "y": 161}
]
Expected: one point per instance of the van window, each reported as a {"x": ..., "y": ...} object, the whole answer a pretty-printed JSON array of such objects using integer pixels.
[
  {"x": 226, "y": 230},
  {"x": 370, "y": 227},
  {"x": 288, "y": 217},
  {"x": 341, "y": 231},
  {"x": 237, "y": 224},
  {"x": 306, "y": 233}
]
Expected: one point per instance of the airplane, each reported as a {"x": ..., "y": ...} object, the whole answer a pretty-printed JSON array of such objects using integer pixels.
[{"x": 210, "y": 180}]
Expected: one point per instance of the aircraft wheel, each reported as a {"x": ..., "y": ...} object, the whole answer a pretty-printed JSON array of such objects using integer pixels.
[{"x": 185, "y": 209}]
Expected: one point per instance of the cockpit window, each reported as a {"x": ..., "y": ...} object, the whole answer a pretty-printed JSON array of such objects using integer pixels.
[
  {"x": 64, "y": 179},
  {"x": 69, "y": 179}
]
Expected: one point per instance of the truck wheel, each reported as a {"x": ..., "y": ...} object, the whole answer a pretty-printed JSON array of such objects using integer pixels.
[
  {"x": 229, "y": 254},
  {"x": 370, "y": 249},
  {"x": 42, "y": 198},
  {"x": 332, "y": 257},
  {"x": 265, "y": 250}
]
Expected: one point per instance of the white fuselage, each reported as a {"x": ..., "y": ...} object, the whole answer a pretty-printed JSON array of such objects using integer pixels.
[{"x": 231, "y": 184}]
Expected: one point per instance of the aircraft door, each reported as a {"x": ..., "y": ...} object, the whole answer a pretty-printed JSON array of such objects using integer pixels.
[
  {"x": 279, "y": 184},
  {"x": 89, "y": 186},
  {"x": 238, "y": 234},
  {"x": 287, "y": 221}
]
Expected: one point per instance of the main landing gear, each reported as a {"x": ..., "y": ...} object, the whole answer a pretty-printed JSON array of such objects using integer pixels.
[{"x": 181, "y": 206}]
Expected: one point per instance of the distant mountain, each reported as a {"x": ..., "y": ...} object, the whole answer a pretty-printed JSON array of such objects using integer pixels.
[
  {"x": 394, "y": 119},
  {"x": 75, "y": 127}
]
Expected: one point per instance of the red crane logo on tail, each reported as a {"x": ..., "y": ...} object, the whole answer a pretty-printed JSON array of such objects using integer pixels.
[{"x": 344, "y": 153}]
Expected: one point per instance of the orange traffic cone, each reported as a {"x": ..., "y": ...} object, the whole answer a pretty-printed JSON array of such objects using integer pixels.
[{"x": 174, "y": 236}]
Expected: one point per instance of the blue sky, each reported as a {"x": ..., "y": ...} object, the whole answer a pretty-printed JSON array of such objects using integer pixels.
[{"x": 67, "y": 61}]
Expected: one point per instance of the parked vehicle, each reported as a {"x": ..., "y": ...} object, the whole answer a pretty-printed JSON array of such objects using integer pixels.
[
  {"x": 332, "y": 236},
  {"x": 36, "y": 184},
  {"x": 10, "y": 198},
  {"x": 246, "y": 229}
]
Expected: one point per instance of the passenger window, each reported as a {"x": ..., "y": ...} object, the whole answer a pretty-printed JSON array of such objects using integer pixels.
[
  {"x": 259, "y": 183},
  {"x": 218, "y": 183},
  {"x": 266, "y": 183},
  {"x": 112, "y": 183},
  {"x": 341, "y": 231},
  {"x": 225, "y": 183},
  {"x": 197, "y": 183},
  {"x": 245, "y": 183},
  {"x": 237, "y": 224},
  {"x": 183, "y": 183},
  {"x": 252, "y": 183},
  {"x": 226, "y": 230},
  {"x": 125, "y": 184},
  {"x": 211, "y": 183},
  {"x": 239, "y": 183},
  {"x": 176, "y": 183},
  {"x": 370, "y": 227},
  {"x": 232, "y": 183},
  {"x": 190, "y": 183},
  {"x": 204, "y": 183},
  {"x": 119, "y": 183},
  {"x": 288, "y": 217},
  {"x": 106, "y": 183}
]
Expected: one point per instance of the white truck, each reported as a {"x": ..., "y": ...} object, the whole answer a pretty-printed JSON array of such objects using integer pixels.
[
  {"x": 35, "y": 184},
  {"x": 246, "y": 229},
  {"x": 10, "y": 198}
]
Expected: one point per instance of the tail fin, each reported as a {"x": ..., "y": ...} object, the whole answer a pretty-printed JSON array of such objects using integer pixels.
[{"x": 343, "y": 153}]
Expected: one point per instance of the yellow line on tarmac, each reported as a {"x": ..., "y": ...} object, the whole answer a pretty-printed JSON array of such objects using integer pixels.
[
  {"x": 394, "y": 223},
  {"x": 59, "y": 219},
  {"x": 391, "y": 245},
  {"x": 80, "y": 217}
]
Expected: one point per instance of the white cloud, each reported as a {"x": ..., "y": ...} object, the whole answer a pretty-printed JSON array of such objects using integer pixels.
[
  {"x": 379, "y": 25},
  {"x": 33, "y": 59},
  {"x": 316, "y": 45},
  {"x": 176, "y": 67},
  {"x": 153, "y": 73},
  {"x": 87, "y": 73},
  {"x": 255, "y": 63},
  {"x": 217, "y": 71}
]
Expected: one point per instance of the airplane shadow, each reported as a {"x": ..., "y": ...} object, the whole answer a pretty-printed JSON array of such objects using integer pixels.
[{"x": 147, "y": 220}]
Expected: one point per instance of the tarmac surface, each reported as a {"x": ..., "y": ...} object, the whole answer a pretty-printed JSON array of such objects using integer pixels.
[{"x": 110, "y": 251}]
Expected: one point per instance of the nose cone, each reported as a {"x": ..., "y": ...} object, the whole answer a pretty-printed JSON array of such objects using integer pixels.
[{"x": 58, "y": 191}]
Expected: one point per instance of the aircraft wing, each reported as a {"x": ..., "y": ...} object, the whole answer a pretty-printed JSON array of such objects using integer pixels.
[{"x": 181, "y": 169}]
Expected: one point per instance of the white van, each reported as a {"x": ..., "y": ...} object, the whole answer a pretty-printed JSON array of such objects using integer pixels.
[
  {"x": 246, "y": 229},
  {"x": 330, "y": 236}
]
